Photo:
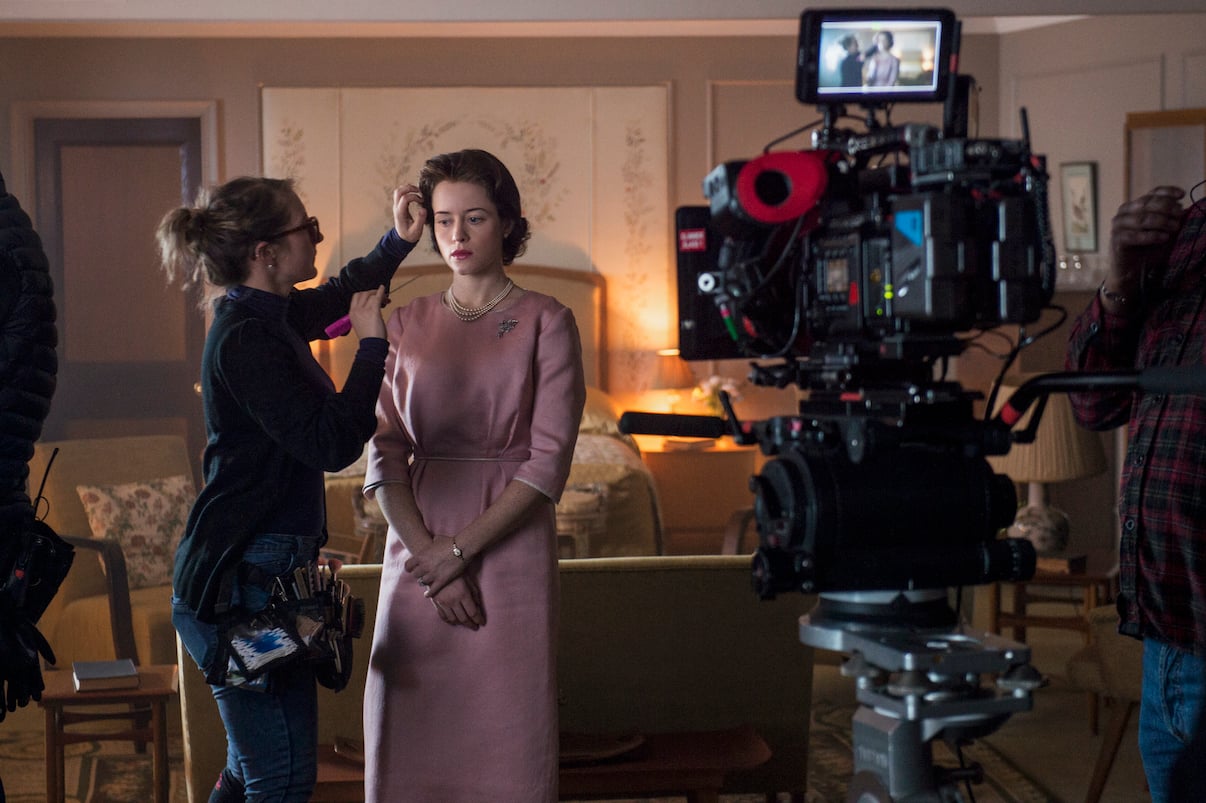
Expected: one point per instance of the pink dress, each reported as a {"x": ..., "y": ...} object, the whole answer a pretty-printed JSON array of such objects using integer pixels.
[{"x": 453, "y": 715}]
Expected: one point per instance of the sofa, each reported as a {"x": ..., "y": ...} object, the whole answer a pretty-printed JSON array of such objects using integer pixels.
[{"x": 648, "y": 645}]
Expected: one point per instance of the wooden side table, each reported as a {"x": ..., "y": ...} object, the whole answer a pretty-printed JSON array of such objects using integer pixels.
[
  {"x": 690, "y": 764},
  {"x": 698, "y": 490},
  {"x": 157, "y": 684}
]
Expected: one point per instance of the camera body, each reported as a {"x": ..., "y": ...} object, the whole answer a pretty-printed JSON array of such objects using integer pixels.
[
  {"x": 821, "y": 248},
  {"x": 860, "y": 263}
]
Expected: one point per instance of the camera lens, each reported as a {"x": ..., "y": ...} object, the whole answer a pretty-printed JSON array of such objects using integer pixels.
[
  {"x": 772, "y": 187},
  {"x": 903, "y": 518}
]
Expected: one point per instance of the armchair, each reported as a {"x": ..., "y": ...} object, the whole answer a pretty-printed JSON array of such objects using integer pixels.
[{"x": 95, "y": 615}]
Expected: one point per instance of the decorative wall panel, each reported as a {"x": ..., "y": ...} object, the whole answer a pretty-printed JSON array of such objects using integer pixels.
[{"x": 591, "y": 164}]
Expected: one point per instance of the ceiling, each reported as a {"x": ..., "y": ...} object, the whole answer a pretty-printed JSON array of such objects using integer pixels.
[{"x": 502, "y": 17}]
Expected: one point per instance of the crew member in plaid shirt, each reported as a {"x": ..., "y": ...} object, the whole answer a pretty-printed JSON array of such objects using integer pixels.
[{"x": 1151, "y": 311}]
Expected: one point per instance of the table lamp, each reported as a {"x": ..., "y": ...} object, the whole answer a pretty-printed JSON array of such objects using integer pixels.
[
  {"x": 1062, "y": 450},
  {"x": 671, "y": 373}
]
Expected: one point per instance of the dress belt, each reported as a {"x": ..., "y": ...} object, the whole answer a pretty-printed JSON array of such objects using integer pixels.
[{"x": 449, "y": 459}]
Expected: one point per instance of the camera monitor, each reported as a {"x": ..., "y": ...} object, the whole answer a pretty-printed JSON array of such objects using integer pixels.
[{"x": 875, "y": 57}]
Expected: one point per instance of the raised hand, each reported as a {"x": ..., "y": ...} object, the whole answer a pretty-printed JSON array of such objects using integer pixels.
[
  {"x": 407, "y": 221},
  {"x": 1141, "y": 236}
]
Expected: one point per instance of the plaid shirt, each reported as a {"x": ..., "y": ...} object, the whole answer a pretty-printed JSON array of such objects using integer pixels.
[{"x": 1162, "y": 501}]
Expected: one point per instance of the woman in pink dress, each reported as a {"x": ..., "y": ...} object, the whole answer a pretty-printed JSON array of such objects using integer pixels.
[
  {"x": 477, "y": 421},
  {"x": 882, "y": 68}
]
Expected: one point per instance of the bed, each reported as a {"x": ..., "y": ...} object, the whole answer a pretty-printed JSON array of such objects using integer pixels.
[{"x": 610, "y": 506}]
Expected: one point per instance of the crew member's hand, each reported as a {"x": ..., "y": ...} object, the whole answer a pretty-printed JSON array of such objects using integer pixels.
[
  {"x": 434, "y": 564},
  {"x": 409, "y": 222},
  {"x": 365, "y": 313},
  {"x": 460, "y": 603},
  {"x": 1141, "y": 237},
  {"x": 20, "y": 670}
]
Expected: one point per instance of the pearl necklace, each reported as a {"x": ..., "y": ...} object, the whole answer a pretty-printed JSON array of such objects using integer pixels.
[{"x": 468, "y": 315}]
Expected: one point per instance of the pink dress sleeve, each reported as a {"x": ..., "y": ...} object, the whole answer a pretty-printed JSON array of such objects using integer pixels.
[
  {"x": 389, "y": 450},
  {"x": 560, "y": 395}
]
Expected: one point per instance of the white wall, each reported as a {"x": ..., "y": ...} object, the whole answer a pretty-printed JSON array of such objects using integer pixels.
[{"x": 1079, "y": 80}]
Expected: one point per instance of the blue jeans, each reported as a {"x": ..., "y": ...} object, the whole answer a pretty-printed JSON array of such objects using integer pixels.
[
  {"x": 272, "y": 729},
  {"x": 1170, "y": 712}
]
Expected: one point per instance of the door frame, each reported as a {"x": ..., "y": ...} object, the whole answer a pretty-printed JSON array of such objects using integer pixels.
[{"x": 22, "y": 181}]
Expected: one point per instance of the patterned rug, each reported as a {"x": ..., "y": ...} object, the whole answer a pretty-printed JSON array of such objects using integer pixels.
[
  {"x": 110, "y": 772},
  {"x": 94, "y": 772}
]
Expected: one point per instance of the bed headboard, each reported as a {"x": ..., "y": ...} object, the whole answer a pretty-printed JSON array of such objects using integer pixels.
[{"x": 584, "y": 292}]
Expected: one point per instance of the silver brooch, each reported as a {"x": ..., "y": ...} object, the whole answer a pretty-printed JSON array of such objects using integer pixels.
[{"x": 507, "y": 326}]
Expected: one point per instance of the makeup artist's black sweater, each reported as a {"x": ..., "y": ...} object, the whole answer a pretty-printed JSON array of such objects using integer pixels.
[{"x": 275, "y": 422}]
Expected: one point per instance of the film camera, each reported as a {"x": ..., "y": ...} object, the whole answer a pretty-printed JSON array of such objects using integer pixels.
[{"x": 855, "y": 270}]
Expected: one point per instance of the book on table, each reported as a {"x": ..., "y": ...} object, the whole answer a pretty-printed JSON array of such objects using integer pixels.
[{"x": 101, "y": 675}]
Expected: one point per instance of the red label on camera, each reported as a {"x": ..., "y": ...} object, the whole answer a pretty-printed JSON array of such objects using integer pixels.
[{"x": 690, "y": 240}]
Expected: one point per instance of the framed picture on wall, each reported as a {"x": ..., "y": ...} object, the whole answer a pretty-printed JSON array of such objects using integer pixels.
[{"x": 1078, "y": 185}]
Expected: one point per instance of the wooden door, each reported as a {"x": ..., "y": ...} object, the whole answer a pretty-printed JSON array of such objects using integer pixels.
[{"x": 129, "y": 344}]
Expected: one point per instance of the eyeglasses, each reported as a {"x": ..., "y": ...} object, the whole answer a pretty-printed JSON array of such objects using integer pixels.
[{"x": 310, "y": 226}]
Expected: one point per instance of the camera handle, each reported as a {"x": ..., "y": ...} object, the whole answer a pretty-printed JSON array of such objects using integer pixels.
[{"x": 914, "y": 686}]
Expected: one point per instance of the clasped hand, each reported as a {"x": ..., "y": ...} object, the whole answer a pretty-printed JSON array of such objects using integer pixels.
[{"x": 454, "y": 594}]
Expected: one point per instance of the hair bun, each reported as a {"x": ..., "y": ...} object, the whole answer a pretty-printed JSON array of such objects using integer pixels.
[{"x": 195, "y": 224}]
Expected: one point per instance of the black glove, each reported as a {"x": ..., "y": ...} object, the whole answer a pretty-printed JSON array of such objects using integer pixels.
[
  {"x": 20, "y": 645},
  {"x": 33, "y": 562}
]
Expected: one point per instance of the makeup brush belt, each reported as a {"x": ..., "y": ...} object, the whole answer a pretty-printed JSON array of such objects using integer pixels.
[{"x": 311, "y": 617}]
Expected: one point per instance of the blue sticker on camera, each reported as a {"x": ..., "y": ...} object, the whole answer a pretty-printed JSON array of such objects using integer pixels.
[{"x": 910, "y": 225}]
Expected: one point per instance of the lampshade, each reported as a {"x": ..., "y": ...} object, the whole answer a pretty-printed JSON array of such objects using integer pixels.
[
  {"x": 1062, "y": 449},
  {"x": 671, "y": 372}
]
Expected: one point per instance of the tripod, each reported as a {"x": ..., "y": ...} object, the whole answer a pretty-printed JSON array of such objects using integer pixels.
[{"x": 914, "y": 684}]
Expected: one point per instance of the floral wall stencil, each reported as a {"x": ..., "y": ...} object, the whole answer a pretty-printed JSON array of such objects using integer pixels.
[
  {"x": 290, "y": 156},
  {"x": 399, "y": 161},
  {"x": 591, "y": 164}
]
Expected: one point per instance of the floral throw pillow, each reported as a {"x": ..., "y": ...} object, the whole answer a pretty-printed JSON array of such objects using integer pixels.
[{"x": 145, "y": 518}]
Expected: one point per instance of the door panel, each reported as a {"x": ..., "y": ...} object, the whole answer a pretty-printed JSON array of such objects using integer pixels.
[{"x": 129, "y": 344}]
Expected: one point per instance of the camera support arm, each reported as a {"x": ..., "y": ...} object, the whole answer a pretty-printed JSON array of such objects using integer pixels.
[{"x": 1178, "y": 380}]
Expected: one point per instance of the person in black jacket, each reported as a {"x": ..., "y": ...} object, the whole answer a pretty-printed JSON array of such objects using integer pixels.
[
  {"x": 33, "y": 559},
  {"x": 275, "y": 423}
]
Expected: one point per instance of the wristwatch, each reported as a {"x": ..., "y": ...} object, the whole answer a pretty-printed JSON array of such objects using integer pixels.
[
  {"x": 456, "y": 550},
  {"x": 1110, "y": 295}
]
